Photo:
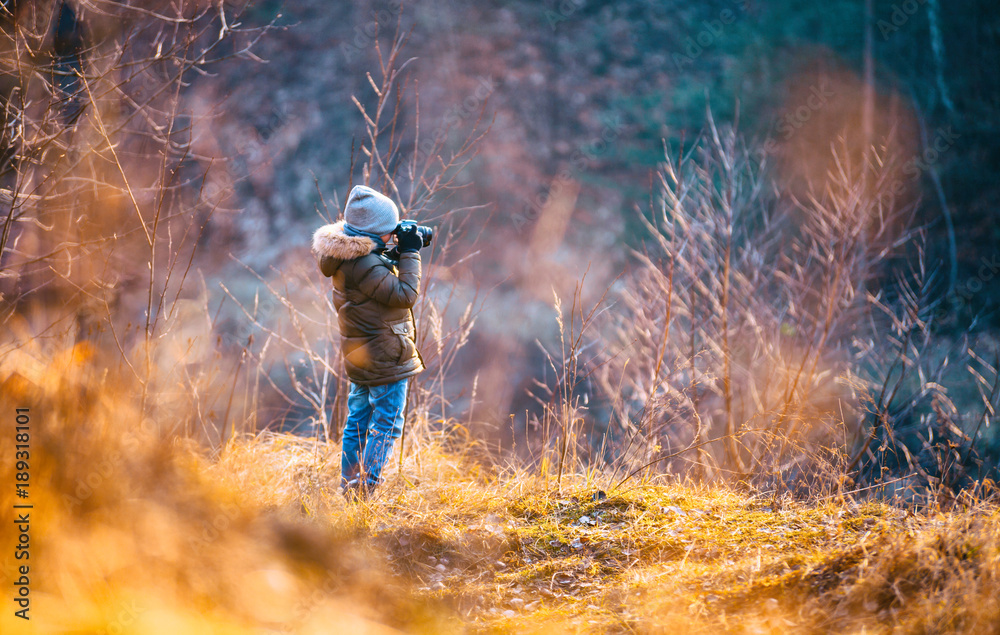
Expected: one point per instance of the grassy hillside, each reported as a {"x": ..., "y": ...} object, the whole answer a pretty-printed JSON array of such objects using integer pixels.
[{"x": 135, "y": 532}]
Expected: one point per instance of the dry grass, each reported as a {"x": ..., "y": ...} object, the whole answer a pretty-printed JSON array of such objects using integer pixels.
[
  {"x": 656, "y": 558},
  {"x": 133, "y": 531}
]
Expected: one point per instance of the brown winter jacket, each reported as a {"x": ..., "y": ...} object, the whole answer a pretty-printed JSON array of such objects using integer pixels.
[{"x": 373, "y": 306}]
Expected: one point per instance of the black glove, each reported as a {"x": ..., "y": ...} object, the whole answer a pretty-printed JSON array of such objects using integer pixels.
[{"x": 409, "y": 241}]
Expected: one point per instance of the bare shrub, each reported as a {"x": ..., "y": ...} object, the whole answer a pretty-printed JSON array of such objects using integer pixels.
[
  {"x": 767, "y": 339},
  {"x": 102, "y": 188}
]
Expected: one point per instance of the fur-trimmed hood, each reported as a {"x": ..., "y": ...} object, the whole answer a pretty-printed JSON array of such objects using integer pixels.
[{"x": 330, "y": 240}]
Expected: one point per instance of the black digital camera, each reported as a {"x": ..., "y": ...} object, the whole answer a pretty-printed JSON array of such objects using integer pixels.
[{"x": 426, "y": 233}]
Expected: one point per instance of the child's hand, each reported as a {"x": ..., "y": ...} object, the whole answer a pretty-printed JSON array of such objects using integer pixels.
[{"x": 409, "y": 241}]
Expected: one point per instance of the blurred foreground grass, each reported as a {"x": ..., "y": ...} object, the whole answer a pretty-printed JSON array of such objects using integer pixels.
[{"x": 133, "y": 531}]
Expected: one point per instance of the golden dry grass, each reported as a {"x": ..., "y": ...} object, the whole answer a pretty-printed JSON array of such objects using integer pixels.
[{"x": 136, "y": 532}]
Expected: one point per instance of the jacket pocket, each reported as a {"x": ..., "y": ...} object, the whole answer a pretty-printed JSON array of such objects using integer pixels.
[{"x": 403, "y": 329}]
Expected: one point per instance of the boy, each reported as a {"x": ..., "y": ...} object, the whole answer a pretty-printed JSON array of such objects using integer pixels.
[{"x": 373, "y": 299}]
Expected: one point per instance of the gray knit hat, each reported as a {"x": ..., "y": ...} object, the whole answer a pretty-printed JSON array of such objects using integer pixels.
[{"x": 371, "y": 212}]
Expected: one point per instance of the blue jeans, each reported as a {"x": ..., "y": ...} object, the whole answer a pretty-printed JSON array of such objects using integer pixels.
[{"x": 374, "y": 422}]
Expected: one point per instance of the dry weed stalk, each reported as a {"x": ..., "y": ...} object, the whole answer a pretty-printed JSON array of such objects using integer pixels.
[
  {"x": 422, "y": 182},
  {"x": 102, "y": 185}
]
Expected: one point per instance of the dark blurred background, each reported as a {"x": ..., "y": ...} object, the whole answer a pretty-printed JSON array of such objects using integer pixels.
[
  {"x": 598, "y": 86},
  {"x": 595, "y": 91},
  {"x": 584, "y": 101}
]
